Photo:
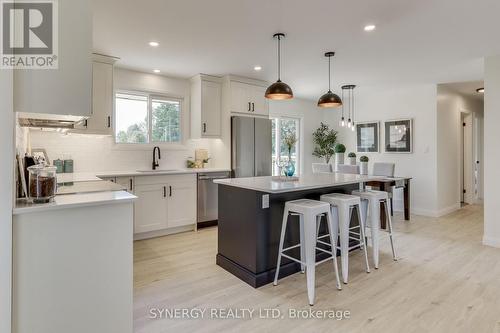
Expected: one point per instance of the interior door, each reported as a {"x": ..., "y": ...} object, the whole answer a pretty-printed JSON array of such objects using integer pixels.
[
  {"x": 243, "y": 146},
  {"x": 150, "y": 212},
  {"x": 263, "y": 147}
]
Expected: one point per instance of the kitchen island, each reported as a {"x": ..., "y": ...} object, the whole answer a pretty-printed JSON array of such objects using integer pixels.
[{"x": 250, "y": 217}]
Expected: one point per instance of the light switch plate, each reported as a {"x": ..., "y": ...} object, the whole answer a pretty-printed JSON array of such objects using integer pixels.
[{"x": 265, "y": 201}]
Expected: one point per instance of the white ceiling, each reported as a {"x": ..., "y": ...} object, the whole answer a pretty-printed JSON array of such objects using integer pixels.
[{"x": 417, "y": 41}]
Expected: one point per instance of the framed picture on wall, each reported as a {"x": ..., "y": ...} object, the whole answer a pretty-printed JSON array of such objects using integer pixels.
[
  {"x": 367, "y": 137},
  {"x": 398, "y": 136}
]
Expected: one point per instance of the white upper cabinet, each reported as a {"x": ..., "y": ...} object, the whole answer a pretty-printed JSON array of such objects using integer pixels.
[
  {"x": 247, "y": 97},
  {"x": 101, "y": 120},
  {"x": 206, "y": 99},
  {"x": 66, "y": 90}
]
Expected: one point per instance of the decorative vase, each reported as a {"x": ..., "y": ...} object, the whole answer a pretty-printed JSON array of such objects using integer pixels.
[
  {"x": 289, "y": 167},
  {"x": 352, "y": 160},
  {"x": 363, "y": 168},
  {"x": 339, "y": 159}
]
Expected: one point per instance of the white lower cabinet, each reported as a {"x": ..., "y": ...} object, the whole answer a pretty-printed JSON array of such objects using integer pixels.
[
  {"x": 182, "y": 203},
  {"x": 164, "y": 202},
  {"x": 150, "y": 211}
]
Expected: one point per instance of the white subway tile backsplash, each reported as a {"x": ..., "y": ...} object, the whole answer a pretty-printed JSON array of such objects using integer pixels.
[{"x": 94, "y": 153}]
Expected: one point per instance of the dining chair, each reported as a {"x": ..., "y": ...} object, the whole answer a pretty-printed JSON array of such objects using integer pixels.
[
  {"x": 347, "y": 168},
  {"x": 321, "y": 167},
  {"x": 386, "y": 170},
  {"x": 383, "y": 169}
]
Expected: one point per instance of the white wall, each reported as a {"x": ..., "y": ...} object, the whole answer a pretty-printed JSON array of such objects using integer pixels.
[
  {"x": 491, "y": 154},
  {"x": 99, "y": 153},
  {"x": 450, "y": 105},
  {"x": 380, "y": 103},
  {"x": 310, "y": 116},
  {"x": 6, "y": 197}
]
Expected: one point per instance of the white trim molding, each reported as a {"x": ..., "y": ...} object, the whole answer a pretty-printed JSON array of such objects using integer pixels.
[{"x": 491, "y": 241}]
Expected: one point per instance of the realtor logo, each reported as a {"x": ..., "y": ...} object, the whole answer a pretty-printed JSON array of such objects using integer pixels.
[{"x": 29, "y": 34}]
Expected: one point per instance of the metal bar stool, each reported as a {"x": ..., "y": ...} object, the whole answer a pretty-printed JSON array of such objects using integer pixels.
[
  {"x": 310, "y": 213},
  {"x": 342, "y": 206}
]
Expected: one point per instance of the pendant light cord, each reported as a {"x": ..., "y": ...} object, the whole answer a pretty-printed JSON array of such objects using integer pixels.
[
  {"x": 343, "y": 103},
  {"x": 329, "y": 74},
  {"x": 279, "y": 58},
  {"x": 352, "y": 105}
]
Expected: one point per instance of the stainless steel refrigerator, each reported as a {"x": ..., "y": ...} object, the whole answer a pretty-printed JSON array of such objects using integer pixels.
[{"x": 251, "y": 147}]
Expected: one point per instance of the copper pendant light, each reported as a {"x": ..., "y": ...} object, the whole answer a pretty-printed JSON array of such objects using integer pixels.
[
  {"x": 279, "y": 90},
  {"x": 329, "y": 100}
]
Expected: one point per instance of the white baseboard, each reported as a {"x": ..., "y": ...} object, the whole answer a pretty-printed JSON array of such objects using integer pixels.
[
  {"x": 491, "y": 241},
  {"x": 435, "y": 213},
  {"x": 164, "y": 232},
  {"x": 448, "y": 210}
]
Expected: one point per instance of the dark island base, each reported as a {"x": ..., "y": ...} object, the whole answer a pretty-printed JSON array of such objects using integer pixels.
[{"x": 248, "y": 235}]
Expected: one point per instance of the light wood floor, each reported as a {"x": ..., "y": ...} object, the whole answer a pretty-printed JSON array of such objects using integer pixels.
[{"x": 445, "y": 281}]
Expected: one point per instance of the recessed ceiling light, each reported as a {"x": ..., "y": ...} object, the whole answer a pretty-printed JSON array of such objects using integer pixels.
[
  {"x": 369, "y": 27},
  {"x": 257, "y": 68},
  {"x": 156, "y": 71},
  {"x": 154, "y": 44},
  {"x": 480, "y": 90}
]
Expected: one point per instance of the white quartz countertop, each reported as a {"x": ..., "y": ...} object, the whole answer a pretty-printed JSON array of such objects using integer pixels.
[
  {"x": 135, "y": 173},
  {"x": 75, "y": 200},
  {"x": 305, "y": 182}
]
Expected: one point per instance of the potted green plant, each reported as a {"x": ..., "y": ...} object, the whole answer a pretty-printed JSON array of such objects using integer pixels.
[
  {"x": 363, "y": 165},
  {"x": 339, "y": 155},
  {"x": 352, "y": 158},
  {"x": 289, "y": 140},
  {"x": 324, "y": 140}
]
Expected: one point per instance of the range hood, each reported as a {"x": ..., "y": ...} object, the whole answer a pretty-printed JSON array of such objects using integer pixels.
[{"x": 40, "y": 120}]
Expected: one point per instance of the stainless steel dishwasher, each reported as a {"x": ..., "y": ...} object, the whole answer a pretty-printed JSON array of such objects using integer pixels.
[{"x": 208, "y": 197}]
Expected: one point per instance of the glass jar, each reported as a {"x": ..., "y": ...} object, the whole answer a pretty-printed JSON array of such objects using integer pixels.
[{"x": 42, "y": 183}]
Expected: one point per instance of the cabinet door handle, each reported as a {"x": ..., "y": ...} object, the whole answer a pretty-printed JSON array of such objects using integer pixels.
[
  {"x": 253, "y": 107},
  {"x": 170, "y": 191},
  {"x": 249, "y": 106},
  {"x": 204, "y": 127},
  {"x": 164, "y": 191},
  {"x": 131, "y": 185},
  {"x": 109, "y": 121},
  {"x": 86, "y": 123}
]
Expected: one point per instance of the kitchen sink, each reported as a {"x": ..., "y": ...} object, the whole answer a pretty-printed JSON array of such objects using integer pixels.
[{"x": 159, "y": 170}]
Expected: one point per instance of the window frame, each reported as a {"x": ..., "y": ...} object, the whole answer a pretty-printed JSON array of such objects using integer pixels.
[
  {"x": 150, "y": 96},
  {"x": 298, "y": 145}
]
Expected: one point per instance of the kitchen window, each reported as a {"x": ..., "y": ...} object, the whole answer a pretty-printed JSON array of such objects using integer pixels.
[
  {"x": 142, "y": 118},
  {"x": 282, "y": 126}
]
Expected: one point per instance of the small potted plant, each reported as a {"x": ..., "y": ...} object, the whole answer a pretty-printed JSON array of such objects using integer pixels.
[
  {"x": 352, "y": 158},
  {"x": 363, "y": 165},
  {"x": 339, "y": 155}
]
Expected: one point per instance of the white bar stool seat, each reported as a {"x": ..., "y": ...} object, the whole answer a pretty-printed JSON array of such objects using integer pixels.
[
  {"x": 310, "y": 213},
  {"x": 341, "y": 207},
  {"x": 370, "y": 200}
]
